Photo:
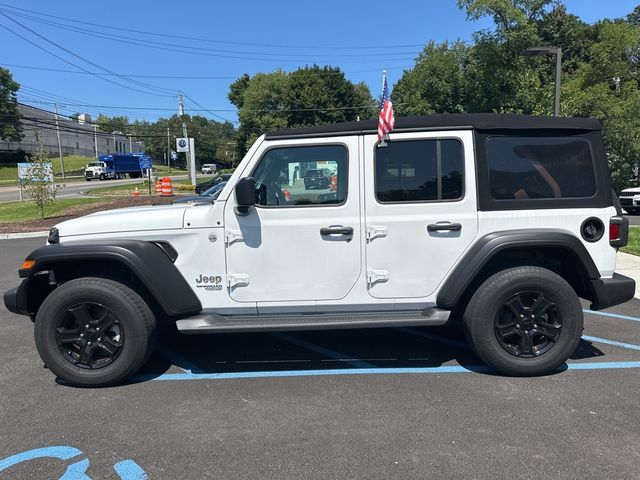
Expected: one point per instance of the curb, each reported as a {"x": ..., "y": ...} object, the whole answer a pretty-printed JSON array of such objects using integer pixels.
[{"x": 11, "y": 236}]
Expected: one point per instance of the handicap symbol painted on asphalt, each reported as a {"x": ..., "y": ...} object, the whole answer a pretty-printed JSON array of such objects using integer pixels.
[{"x": 126, "y": 469}]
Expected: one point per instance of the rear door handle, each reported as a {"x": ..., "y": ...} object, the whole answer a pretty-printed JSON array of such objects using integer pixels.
[
  {"x": 336, "y": 230},
  {"x": 437, "y": 227}
]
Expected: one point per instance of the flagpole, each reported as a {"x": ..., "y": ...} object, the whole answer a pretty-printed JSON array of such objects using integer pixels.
[{"x": 383, "y": 143}]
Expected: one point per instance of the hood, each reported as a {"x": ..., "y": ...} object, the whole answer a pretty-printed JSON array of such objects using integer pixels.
[
  {"x": 155, "y": 217},
  {"x": 631, "y": 190}
]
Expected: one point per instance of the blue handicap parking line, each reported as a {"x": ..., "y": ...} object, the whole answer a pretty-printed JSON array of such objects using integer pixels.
[
  {"x": 612, "y": 315},
  {"x": 191, "y": 372},
  {"x": 444, "y": 369},
  {"x": 630, "y": 346},
  {"x": 324, "y": 351}
]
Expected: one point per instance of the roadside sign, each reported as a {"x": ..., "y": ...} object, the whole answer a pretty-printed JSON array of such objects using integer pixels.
[
  {"x": 24, "y": 172},
  {"x": 174, "y": 155},
  {"x": 182, "y": 144},
  {"x": 145, "y": 163}
]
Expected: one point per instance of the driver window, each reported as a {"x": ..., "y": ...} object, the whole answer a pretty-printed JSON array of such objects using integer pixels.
[{"x": 291, "y": 176}]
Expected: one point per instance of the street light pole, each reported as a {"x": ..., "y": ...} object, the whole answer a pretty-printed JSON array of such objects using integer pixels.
[
  {"x": 557, "y": 51},
  {"x": 556, "y": 103}
]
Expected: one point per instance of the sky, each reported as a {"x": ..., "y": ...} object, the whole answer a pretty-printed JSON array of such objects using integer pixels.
[{"x": 141, "y": 43}]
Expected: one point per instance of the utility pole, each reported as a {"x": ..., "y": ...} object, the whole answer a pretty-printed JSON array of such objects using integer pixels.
[
  {"x": 95, "y": 139},
  {"x": 59, "y": 144},
  {"x": 168, "y": 151},
  {"x": 190, "y": 155}
]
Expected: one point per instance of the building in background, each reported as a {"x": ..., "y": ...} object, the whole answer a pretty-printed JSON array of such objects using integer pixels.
[{"x": 77, "y": 137}]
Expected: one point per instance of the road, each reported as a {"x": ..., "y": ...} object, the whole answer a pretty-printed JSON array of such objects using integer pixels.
[
  {"x": 380, "y": 404},
  {"x": 72, "y": 189}
]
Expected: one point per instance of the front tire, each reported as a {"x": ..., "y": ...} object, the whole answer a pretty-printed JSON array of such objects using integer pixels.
[
  {"x": 94, "y": 332},
  {"x": 524, "y": 321}
]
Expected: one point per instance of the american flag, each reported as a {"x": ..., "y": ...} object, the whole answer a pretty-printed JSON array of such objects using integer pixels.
[{"x": 387, "y": 119}]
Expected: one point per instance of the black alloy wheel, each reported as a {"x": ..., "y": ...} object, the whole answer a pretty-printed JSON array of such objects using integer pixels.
[
  {"x": 528, "y": 324},
  {"x": 90, "y": 336}
]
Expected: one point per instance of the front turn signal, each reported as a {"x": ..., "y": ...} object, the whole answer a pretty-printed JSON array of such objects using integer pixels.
[{"x": 28, "y": 264}]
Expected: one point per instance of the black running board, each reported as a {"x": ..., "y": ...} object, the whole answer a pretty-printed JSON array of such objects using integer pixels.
[{"x": 215, "y": 323}]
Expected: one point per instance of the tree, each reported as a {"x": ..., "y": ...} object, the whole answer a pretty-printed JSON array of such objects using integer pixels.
[
  {"x": 308, "y": 96},
  {"x": 436, "y": 84},
  {"x": 10, "y": 127},
  {"x": 38, "y": 179},
  {"x": 600, "y": 72}
]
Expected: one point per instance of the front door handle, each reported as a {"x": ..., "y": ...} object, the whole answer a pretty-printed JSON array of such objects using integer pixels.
[
  {"x": 336, "y": 230},
  {"x": 437, "y": 227}
]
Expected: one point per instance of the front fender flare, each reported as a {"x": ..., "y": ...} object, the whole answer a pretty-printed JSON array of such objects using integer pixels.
[{"x": 148, "y": 261}]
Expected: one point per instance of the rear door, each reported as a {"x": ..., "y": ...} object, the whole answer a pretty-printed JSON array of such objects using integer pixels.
[{"x": 421, "y": 214}]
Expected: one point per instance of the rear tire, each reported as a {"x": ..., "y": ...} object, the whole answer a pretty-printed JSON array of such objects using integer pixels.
[
  {"x": 94, "y": 332},
  {"x": 524, "y": 321}
]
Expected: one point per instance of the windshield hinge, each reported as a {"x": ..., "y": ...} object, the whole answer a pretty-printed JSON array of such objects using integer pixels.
[{"x": 237, "y": 280}]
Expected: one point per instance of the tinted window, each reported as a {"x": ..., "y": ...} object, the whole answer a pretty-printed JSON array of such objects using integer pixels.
[
  {"x": 419, "y": 171},
  {"x": 302, "y": 176},
  {"x": 540, "y": 167}
]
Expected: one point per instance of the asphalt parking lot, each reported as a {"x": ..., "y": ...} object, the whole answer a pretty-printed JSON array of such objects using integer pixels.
[{"x": 392, "y": 403}]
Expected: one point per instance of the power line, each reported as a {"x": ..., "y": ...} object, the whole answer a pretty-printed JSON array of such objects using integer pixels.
[
  {"x": 185, "y": 77},
  {"x": 203, "y": 50},
  {"x": 226, "y": 110},
  {"x": 77, "y": 56},
  {"x": 208, "y": 40}
]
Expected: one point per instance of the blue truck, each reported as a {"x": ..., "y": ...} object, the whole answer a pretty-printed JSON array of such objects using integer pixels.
[{"x": 117, "y": 166}]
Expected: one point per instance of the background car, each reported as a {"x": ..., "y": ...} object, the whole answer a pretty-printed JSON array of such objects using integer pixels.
[
  {"x": 316, "y": 179},
  {"x": 205, "y": 197},
  {"x": 203, "y": 186},
  {"x": 209, "y": 168}
]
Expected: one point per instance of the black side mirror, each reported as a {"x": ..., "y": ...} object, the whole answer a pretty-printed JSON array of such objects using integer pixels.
[{"x": 245, "y": 195}]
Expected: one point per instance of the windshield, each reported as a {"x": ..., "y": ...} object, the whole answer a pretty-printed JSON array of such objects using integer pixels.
[
  {"x": 95, "y": 164},
  {"x": 214, "y": 191}
]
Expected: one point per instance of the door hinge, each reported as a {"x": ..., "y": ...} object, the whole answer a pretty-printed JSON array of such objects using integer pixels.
[
  {"x": 374, "y": 276},
  {"x": 237, "y": 280},
  {"x": 375, "y": 231},
  {"x": 233, "y": 236}
]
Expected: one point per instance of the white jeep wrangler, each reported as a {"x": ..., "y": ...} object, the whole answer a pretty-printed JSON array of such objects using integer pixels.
[{"x": 500, "y": 222}]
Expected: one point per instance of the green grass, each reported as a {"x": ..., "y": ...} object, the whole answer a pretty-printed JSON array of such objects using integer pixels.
[
  {"x": 633, "y": 247},
  {"x": 17, "y": 212},
  {"x": 73, "y": 165}
]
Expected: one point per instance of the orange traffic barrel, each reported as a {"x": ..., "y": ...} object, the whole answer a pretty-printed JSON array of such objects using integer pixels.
[
  {"x": 167, "y": 187},
  {"x": 136, "y": 194},
  {"x": 334, "y": 183},
  {"x": 158, "y": 187}
]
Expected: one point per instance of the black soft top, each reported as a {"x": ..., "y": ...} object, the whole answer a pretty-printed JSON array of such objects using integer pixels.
[{"x": 448, "y": 121}]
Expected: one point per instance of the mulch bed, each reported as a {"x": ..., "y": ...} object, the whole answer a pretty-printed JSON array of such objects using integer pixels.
[{"x": 80, "y": 210}]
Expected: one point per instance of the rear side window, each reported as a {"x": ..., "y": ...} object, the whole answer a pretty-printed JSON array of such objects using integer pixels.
[
  {"x": 419, "y": 171},
  {"x": 523, "y": 168}
]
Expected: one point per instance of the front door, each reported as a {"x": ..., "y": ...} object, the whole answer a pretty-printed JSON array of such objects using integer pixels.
[
  {"x": 421, "y": 215},
  {"x": 302, "y": 240}
]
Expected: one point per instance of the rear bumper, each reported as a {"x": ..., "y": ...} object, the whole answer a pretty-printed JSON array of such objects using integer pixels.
[
  {"x": 608, "y": 292},
  {"x": 16, "y": 299}
]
